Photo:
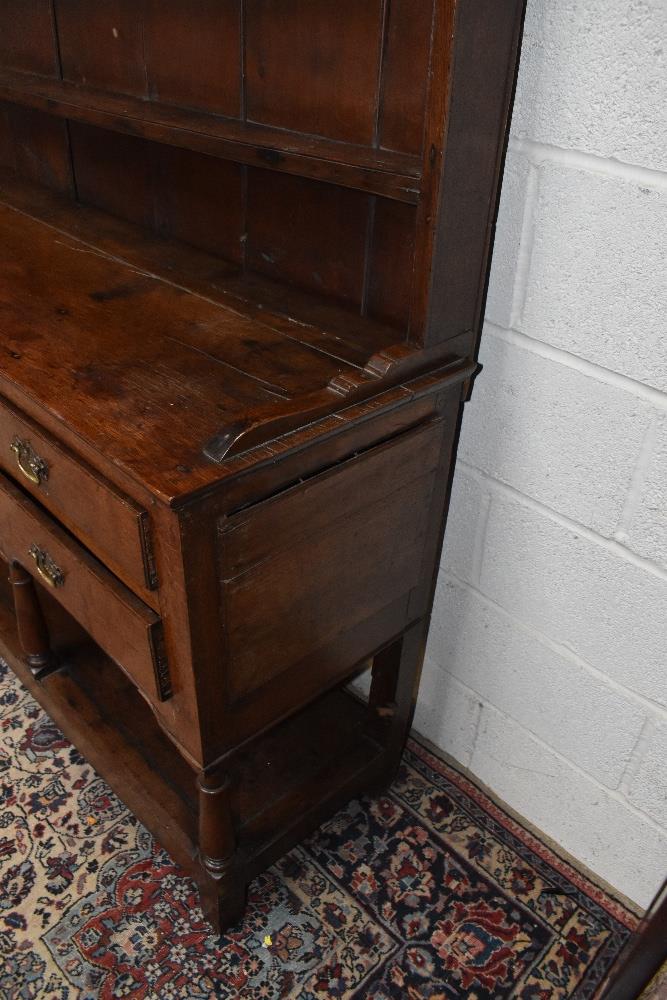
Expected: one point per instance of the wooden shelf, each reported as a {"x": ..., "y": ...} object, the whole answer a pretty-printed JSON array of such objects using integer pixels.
[
  {"x": 195, "y": 360},
  {"x": 166, "y": 807},
  {"x": 278, "y": 776},
  {"x": 120, "y": 342},
  {"x": 383, "y": 172},
  {"x": 336, "y": 330}
]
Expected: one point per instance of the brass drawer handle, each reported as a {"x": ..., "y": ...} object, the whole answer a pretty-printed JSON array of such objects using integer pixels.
[
  {"x": 46, "y": 567},
  {"x": 30, "y": 464}
]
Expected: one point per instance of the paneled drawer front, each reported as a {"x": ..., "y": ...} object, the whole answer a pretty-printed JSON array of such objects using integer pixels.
[
  {"x": 108, "y": 523},
  {"x": 129, "y": 631}
]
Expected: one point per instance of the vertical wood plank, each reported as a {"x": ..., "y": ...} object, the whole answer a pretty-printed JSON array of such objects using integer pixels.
[
  {"x": 193, "y": 54},
  {"x": 36, "y": 147},
  {"x": 312, "y": 66},
  {"x": 391, "y": 263},
  {"x": 307, "y": 233},
  {"x": 438, "y": 94},
  {"x": 27, "y": 39},
  {"x": 404, "y": 75},
  {"x": 102, "y": 44},
  {"x": 113, "y": 172},
  {"x": 199, "y": 200}
]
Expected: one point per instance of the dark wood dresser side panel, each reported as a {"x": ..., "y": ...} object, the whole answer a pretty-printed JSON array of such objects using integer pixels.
[
  {"x": 487, "y": 36},
  {"x": 319, "y": 560}
]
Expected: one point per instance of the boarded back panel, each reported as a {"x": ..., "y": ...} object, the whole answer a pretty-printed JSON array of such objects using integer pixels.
[
  {"x": 391, "y": 263},
  {"x": 193, "y": 53},
  {"x": 179, "y": 193},
  {"x": 35, "y": 146},
  {"x": 404, "y": 75},
  {"x": 113, "y": 172},
  {"x": 27, "y": 37},
  {"x": 102, "y": 44},
  {"x": 312, "y": 65},
  {"x": 307, "y": 233},
  {"x": 199, "y": 200}
]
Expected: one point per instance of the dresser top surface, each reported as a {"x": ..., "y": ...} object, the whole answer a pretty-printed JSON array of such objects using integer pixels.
[{"x": 146, "y": 371}]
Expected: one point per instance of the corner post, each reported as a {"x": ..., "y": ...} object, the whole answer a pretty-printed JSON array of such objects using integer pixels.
[
  {"x": 32, "y": 629},
  {"x": 223, "y": 888},
  {"x": 396, "y": 672}
]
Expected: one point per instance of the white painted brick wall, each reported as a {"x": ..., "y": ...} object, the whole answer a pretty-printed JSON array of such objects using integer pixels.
[
  {"x": 574, "y": 590},
  {"x": 593, "y": 78},
  {"x": 596, "y": 726},
  {"x": 560, "y": 799},
  {"x": 546, "y": 669},
  {"x": 646, "y": 532},
  {"x": 647, "y": 786},
  {"x": 614, "y": 228},
  {"x": 549, "y": 430}
]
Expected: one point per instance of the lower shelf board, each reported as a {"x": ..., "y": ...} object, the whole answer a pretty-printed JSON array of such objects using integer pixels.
[
  {"x": 285, "y": 783},
  {"x": 163, "y": 809},
  {"x": 293, "y": 778}
]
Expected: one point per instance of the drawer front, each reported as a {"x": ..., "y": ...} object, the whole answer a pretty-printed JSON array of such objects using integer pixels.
[
  {"x": 121, "y": 624},
  {"x": 108, "y": 523}
]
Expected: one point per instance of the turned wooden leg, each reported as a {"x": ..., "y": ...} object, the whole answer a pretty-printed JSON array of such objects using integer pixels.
[
  {"x": 396, "y": 672},
  {"x": 223, "y": 888},
  {"x": 32, "y": 630}
]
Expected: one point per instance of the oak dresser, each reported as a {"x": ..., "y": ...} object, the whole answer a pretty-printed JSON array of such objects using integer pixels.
[{"x": 244, "y": 247}]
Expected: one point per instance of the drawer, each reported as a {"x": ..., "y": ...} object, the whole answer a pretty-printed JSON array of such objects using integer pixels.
[
  {"x": 121, "y": 624},
  {"x": 108, "y": 523}
]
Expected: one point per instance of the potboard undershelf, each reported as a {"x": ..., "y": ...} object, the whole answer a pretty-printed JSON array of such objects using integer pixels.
[{"x": 101, "y": 712}]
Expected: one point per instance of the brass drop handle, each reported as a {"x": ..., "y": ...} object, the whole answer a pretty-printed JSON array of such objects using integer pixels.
[
  {"x": 46, "y": 567},
  {"x": 30, "y": 464}
]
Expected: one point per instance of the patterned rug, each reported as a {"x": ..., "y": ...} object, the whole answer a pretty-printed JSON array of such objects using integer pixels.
[
  {"x": 428, "y": 892},
  {"x": 657, "y": 988}
]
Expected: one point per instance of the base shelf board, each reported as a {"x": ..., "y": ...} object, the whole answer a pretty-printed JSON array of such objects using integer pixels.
[{"x": 278, "y": 779}]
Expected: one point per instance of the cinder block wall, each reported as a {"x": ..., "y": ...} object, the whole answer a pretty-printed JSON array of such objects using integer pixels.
[{"x": 546, "y": 670}]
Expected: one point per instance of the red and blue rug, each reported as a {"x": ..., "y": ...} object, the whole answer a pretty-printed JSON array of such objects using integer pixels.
[{"x": 430, "y": 891}]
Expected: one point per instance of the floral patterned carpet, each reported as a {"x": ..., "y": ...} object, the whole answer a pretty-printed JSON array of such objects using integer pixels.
[
  {"x": 428, "y": 892},
  {"x": 657, "y": 988}
]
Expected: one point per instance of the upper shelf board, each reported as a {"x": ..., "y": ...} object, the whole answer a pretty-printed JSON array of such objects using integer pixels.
[{"x": 377, "y": 171}]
